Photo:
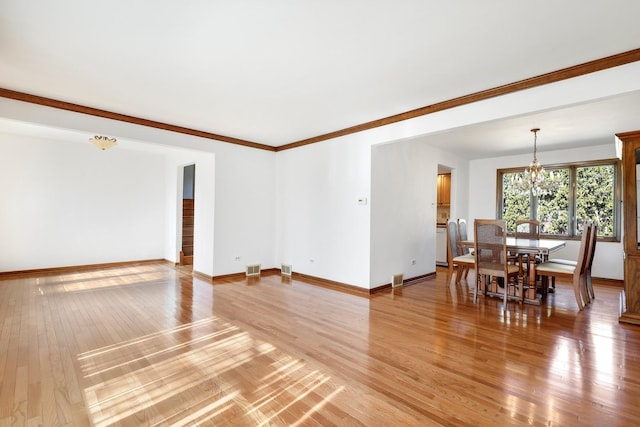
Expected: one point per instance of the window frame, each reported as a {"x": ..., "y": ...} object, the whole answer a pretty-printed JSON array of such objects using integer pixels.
[{"x": 573, "y": 233}]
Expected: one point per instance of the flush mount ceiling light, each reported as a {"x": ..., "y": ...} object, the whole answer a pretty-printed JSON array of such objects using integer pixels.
[{"x": 103, "y": 142}]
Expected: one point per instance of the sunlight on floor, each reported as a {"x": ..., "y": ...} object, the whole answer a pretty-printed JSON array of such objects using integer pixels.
[
  {"x": 99, "y": 279},
  {"x": 207, "y": 371}
]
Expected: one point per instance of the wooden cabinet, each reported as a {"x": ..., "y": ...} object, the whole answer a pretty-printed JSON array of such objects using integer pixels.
[
  {"x": 444, "y": 189},
  {"x": 630, "y": 166}
]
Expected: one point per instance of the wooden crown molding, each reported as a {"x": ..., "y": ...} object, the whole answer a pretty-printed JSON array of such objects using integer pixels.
[
  {"x": 76, "y": 108},
  {"x": 552, "y": 77}
]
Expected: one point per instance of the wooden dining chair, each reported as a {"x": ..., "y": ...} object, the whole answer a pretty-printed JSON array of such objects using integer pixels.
[
  {"x": 490, "y": 250},
  {"x": 577, "y": 273},
  {"x": 527, "y": 229},
  {"x": 455, "y": 258},
  {"x": 463, "y": 237},
  {"x": 592, "y": 250}
]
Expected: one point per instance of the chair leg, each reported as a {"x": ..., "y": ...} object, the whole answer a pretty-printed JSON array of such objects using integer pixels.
[
  {"x": 545, "y": 284},
  {"x": 586, "y": 298},
  {"x": 481, "y": 285},
  {"x": 475, "y": 293},
  {"x": 506, "y": 291},
  {"x": 578, "y": 294},
  {"x": 461, "y": 273},
  {"x": 475, "y": 290}
]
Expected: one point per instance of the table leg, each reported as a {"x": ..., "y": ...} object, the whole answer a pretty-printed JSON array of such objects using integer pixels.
[
  {"x": 521, "y": 288},
  {"x": 532, "y": 271}
]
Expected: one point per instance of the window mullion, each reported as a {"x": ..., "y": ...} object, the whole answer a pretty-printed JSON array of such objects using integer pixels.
[{"x": 573, "y": 223}]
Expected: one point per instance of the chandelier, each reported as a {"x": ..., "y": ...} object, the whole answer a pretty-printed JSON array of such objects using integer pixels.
[
  {"x": 532, "y": 180},
  {"x": 103, "y": 142}
]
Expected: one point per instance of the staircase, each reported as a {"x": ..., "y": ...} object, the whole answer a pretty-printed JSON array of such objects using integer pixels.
[{"x": 186, "y": 254}]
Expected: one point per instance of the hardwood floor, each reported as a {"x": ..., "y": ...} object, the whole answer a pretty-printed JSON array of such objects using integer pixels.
[{"x": 151, "y": 345}]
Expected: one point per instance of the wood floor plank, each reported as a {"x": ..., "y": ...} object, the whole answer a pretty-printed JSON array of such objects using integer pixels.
[
  {"x": 9, "y": 337},
  {"x": 152, "y": 345}
]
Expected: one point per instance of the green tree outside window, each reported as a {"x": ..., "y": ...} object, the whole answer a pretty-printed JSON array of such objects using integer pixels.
[{"x": 579, "y": 193}]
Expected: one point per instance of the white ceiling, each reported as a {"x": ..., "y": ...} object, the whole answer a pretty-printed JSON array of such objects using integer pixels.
[
  {"x": 581, "y": 125},
  {"x": 285, "y": 70}
]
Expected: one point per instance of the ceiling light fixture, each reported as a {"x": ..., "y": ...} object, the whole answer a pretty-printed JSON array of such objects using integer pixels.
[
  {"x": 103, "y": 142},
  {"x": 532, "y": 180}
]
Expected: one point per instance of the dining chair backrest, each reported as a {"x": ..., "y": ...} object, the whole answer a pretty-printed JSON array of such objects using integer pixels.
[
  {"x": 462, "y": 236},
  {"x": 583, "y": 253},
  {"x": 578, "y": 270},
  {"x": 589, "y": 261},
  {"x": 452, "y": 239},
  {"x": 490, "y": 241},
  {"x": 592, "y": 245},
  {"x": 527, "y": 229}
]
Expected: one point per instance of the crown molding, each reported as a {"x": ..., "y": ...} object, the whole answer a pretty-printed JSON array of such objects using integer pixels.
[
  {"x": 77, "y": 108},
  {"x": 543, "y": 79}
]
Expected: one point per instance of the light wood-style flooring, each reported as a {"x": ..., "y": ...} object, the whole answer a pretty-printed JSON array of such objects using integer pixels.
[{"x": 151, "y": 345}]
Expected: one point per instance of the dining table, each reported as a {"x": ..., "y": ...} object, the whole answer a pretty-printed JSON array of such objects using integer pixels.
[{"x": 532, "y": 247}]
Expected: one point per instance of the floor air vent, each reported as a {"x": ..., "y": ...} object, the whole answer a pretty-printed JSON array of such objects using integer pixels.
[
  {"x": 286, "y": 269},
  {"x": 253, "y": 270},
  {"x": 396, "y": 280}
]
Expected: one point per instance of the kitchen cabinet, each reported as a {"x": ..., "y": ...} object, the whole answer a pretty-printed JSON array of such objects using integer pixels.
[
  {"x": 444, "y": 189},
  {"x": 630, "y": 310}
]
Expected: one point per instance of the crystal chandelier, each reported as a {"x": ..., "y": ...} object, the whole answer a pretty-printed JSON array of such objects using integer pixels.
[
  {"x": 532, "y": 180},
  {"x": 103, "y": 142}
]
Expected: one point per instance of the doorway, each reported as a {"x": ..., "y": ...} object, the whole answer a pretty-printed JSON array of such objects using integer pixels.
[
  {"x": 443, "y": 213},
  {"x": 188, "y": 210}
]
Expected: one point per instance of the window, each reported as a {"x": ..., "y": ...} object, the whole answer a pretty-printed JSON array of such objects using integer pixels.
[{"x": 581, "y": 192}]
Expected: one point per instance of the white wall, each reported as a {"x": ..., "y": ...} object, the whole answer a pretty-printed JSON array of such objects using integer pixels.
[
  {"x": 608, "y": 261},
  {"x": 245, "y": 214},
  {"x": 322, "y": 230},
  {"x": 404, "y": 207},
  {"x": 237, "y": 183},
  {"x": 403, "y": 214},
  {"x": 66, "y": 204}
]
